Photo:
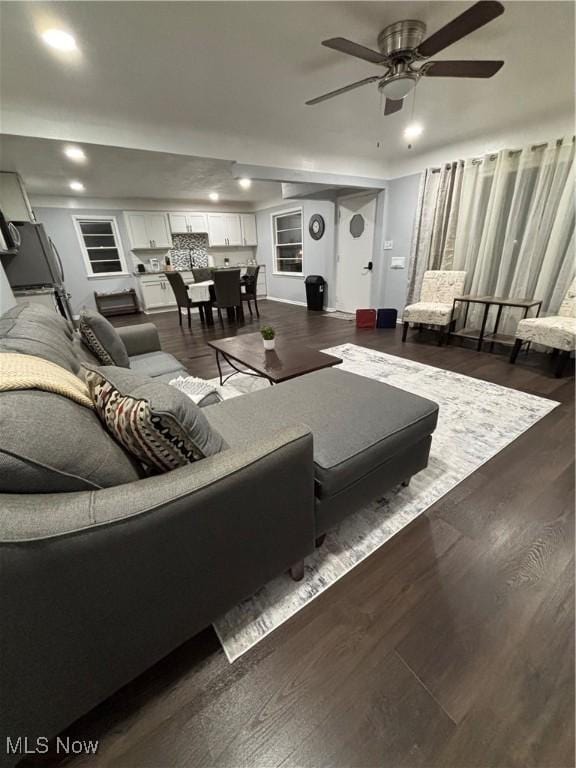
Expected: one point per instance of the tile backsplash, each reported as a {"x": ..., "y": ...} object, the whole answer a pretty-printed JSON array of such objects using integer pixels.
[{"x": 189, "y": 250}]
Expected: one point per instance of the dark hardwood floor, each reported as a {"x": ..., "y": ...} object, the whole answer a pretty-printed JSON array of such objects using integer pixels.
[{"x": 451, "y": 647}]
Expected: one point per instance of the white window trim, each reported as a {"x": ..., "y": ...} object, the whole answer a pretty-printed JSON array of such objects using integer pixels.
[
  {"x": 273, "y": 217},
  {"x": 77, "y": 218}
]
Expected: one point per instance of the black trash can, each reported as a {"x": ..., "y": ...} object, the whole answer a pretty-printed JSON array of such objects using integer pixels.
[{"x": 315, "y": 292}]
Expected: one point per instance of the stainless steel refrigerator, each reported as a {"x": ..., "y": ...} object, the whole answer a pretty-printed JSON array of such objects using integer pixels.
[{"x": 37, "y": 265}]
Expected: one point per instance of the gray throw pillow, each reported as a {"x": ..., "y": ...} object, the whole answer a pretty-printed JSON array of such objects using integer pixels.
[
  {"x": 50, "y": 444},
  {"x": 157, "y": 423},
  {"x": 102, "y": 339}
]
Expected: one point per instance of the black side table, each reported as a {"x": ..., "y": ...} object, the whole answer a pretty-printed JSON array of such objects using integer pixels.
[{"x": 490, "y": 301}]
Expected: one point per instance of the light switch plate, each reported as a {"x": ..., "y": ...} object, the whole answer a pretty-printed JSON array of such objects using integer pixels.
[{"x": 388, "y": 245}]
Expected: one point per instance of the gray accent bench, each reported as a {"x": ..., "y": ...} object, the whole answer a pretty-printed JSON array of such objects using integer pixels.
[{"x": 368, "y": 436}]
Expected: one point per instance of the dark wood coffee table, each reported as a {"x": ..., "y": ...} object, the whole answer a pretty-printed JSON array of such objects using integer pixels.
[{"x": 285, "y": 362}]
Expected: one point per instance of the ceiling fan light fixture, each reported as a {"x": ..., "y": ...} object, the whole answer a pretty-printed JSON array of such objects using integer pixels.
[
  {"x": 398, "y": 86},
  {"x": 413, "y": 131}
]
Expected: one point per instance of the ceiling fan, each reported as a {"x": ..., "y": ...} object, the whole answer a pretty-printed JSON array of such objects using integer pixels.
[{"x": 403, "y": 52}]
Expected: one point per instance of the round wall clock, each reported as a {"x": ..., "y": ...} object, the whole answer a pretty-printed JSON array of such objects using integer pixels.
[{"x": 316, "y": 226}]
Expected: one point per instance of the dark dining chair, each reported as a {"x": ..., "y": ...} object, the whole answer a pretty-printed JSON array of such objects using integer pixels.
[
  {"x": 250, "y": 282},
  {"x": 201, "y": 274},
  {"x": 227, "y": 291},
  {"x": 183, "y": 299}
]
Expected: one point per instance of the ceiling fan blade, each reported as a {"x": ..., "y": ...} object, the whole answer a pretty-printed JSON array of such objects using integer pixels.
[
  {"x": 346, "y": 88},
  {"x": 462, "y": 68},
  {"x": 474, "y": 18},
  {"x": 353, "y": 49},
  {"x": 393, "y": 105}
]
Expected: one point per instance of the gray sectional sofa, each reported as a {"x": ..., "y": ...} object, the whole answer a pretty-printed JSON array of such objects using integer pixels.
[{"x": 100, "y": 583}]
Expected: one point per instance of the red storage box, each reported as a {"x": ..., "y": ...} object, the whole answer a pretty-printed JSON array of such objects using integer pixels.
[{"x": 365, "y": 318}]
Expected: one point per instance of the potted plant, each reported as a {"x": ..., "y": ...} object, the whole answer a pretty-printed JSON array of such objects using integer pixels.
[{"x": 268, "y": 334}]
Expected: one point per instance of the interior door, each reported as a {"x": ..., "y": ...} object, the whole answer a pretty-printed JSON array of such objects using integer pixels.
[{"x": 355, "y": 248}]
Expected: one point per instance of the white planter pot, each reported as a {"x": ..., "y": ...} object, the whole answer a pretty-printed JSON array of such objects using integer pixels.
[{"x": 269, "y": 343}]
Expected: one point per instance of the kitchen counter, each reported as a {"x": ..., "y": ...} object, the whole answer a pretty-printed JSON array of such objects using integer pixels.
[{"x": 189, "y": 269}]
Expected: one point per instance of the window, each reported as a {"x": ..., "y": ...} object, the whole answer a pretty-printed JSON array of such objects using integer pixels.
[
  {"x": 100, "y": 245},
  {"x": 287, "y": 229}
]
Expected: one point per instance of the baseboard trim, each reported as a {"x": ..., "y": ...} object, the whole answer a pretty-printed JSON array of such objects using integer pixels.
[
  {"x": 297, "y": 303},
  {"x": 287, "y": 301}
]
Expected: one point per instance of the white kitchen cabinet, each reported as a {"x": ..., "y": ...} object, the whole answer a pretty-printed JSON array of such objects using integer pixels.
[
  {"x": 14, "y": 202},
  {"x": 178, "y": 223},
  {"x": 157, "y": 292},
  {"x": 197, "y": 223},
  {"x": 184, "y": 223},
  {"x": 137, "y": 231},
  {"x": 148, "y": 230},
  {"x": 248, "y": 224},
  {"x": 216, "y": 229},
  {"x": 233, "y": 228},
  {"x": 224, "y": 229},
  {"x": 158, "y": 229}
]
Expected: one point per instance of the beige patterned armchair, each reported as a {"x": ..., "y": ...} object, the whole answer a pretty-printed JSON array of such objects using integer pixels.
[
  {"x": 557, "y": 332},
  {"x": 439, "y": 289}
]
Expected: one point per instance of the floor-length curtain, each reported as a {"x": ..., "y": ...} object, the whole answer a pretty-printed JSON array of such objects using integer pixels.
[
  {"x": 507, "y": 219},
  {"x": 435, "y": 226}
]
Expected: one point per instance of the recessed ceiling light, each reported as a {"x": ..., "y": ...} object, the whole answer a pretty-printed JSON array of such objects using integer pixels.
[
  {"x": 214, "y": 196},
  {"x": 77, "y": 186},
  {"x": 413, "y": 130},
  {"x": 75, "y": 153},
  {"x": 245, "y": 183},
  {"x": 57, "y": 38}
]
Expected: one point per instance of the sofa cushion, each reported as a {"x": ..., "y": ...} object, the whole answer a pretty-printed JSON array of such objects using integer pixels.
[
  {"x": 42, "y": 314},
  {"x": 428, "y": 312},
  {"x": 49, "y": 443},
  {"x": 157, "y": 364},
  {"x": 102, "y": 339},
  {"x": 32, "y": 329},
  {"x": 357, "y": 423},
  {"x": 154, "y": 421}
]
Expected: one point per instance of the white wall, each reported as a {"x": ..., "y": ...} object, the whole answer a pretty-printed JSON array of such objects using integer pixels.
[
  {"x": 515, "y": 137},
  {"x": 389, "y": 285},
  {"x": 318, "y": 255},
  {"x": 60, "y": 227},
  {"x": 7, "y": 299}
]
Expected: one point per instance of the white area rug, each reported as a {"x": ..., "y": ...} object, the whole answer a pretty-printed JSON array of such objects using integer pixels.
[
  {"x": 337, "y": 315},
  {"x": 477, "y": 420}
]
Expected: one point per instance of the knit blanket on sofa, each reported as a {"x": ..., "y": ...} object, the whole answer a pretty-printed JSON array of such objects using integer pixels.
[{"x": 29, "y": 372}]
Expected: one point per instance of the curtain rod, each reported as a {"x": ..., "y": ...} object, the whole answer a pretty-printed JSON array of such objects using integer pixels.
[{"x": 478, "y": 160}]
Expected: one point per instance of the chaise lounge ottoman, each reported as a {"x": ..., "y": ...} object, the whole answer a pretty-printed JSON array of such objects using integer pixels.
[{"x": 368, "y": 437}]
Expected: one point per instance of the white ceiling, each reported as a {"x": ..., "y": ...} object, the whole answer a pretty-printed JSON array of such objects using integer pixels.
[
  {"x": 116, "y": 172},
  {"x": 229, "y": 79}
]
